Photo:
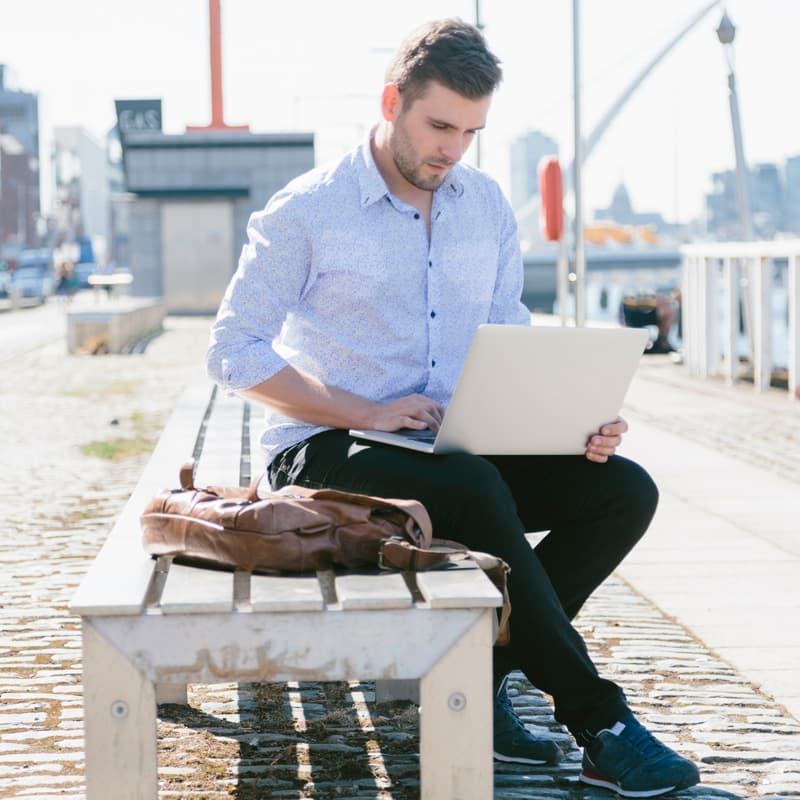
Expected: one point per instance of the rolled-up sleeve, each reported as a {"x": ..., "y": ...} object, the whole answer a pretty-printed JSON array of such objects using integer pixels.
[{"x": 272, "y": 273}]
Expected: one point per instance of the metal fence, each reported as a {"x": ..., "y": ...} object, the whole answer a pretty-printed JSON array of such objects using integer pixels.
[{"x": 728, "y": 294}]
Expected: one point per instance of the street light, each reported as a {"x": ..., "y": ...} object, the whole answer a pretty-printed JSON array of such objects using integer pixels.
[{"x": 726, "y": 33}]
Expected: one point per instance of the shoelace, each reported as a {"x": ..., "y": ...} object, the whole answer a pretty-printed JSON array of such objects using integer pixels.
[{"x": 644, "y": 741}]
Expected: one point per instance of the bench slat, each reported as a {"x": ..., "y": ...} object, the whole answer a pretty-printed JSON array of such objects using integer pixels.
[
  {"x": 460, "y": 585},
  {"x": 197, "y": 591},
  {"x": 118, "y": 579},
  {"x": 221, "y": 455},
  {"x": 382, "y": 590},
  {"x": 285, "y": 593}
]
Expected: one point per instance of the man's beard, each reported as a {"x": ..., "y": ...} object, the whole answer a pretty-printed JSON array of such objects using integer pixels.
[{"x": 409, "y": 166}]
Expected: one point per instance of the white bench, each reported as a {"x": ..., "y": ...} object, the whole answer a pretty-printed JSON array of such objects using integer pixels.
[{"x": 150, "y": 628}]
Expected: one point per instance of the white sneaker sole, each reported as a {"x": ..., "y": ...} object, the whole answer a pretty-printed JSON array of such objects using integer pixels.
[
  {"x": 605, "y": 784},
  {"x": 510, "y": 760}
]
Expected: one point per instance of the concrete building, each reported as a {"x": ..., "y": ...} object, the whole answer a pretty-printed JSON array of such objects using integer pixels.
[
  {"x": 19, "y": 168},
  {"x": 767, "y": 200},
  {"x": 526, "y": 152},
  {"x": 81, "y": 186},
  {"x": 19, "y": 197},
  {"x": 190, "y": 196},
  {"x": 19, "y": 115}
]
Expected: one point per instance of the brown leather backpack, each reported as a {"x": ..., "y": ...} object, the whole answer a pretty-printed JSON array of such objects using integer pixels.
[
  {"x": 292, "y": 530},
  {"x": 300, "y": 530}
]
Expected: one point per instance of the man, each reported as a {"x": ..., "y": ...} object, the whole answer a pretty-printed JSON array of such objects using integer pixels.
[{"x": 353, "y": 306}]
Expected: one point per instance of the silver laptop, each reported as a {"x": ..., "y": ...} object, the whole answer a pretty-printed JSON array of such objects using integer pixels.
[{"x": 531, "y": 391}]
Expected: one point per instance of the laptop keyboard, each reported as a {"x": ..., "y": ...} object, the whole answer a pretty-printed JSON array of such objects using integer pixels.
[{"x": 426, "y": 435}]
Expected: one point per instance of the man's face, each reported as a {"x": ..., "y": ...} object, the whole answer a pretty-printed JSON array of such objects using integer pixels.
[{"x": 432, "y": 134}]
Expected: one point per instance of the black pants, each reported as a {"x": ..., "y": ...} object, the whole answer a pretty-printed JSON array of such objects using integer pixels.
[{"x": 595, "y": 514}]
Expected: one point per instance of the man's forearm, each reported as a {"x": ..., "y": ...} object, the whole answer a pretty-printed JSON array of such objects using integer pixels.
[{"x": 301, "y": 396}]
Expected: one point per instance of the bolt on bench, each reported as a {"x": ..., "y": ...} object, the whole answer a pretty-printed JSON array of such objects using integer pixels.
[{"x": 151, "y": 627}]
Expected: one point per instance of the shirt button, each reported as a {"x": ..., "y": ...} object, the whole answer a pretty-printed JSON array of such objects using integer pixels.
[
  {"x": 416, "y": 216},
  {"x": 433, "y": 314},
  {"x": 430, "y": 263},
  {"x": 433, "y": 362}
]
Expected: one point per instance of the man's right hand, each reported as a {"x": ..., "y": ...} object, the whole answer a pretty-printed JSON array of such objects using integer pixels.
[
  {"x": 301, "y": 396},
  {"x": 413, "y": 411}
]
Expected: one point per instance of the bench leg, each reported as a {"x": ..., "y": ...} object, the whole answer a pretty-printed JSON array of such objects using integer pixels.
[
  {"x": 456, "y": 759},
  {"x": 120, "y": 724},
  {"x": 172, "y": 693},
  {"x": 388, "y": 691}
]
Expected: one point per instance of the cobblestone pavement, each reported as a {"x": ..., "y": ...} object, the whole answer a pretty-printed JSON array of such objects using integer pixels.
[
  {"x": 762, "y": 429},
  {"x": 77, "y": 431}
]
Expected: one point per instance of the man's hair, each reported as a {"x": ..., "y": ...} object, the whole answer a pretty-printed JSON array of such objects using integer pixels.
[{"x": 449, "y": 51}]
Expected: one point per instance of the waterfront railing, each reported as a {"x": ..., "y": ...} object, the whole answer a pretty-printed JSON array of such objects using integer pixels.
[{"x": 728, "y": 294}]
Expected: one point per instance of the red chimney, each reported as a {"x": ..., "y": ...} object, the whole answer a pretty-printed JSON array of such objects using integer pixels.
[{"x": 215, "y": 53}]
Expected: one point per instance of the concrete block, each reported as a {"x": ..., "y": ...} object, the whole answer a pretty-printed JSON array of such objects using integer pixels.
[{"x": 113, "y": 326}]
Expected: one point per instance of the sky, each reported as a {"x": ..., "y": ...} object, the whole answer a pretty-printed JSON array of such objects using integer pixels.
[{"x": 313, "y": 65}]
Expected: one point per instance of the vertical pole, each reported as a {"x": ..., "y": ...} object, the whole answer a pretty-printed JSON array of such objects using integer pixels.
[
  {"x": 761, "y": 269},
  {"x": 479, "y": 26},
  {"x": 562, "y": 280},
  {"x": 710, "y": 269},
  {"x": 215, "y": 50},
  {"x": 742, "y": 189},
  {"x": 730, "y": 270},
  {"x": 794, "y": 326},
  {"x": 743, "y": 201},
  {"x": 687, "y": 312},
  {"x": 215, "y": 62},
  {"x": 580, "y": 256}
]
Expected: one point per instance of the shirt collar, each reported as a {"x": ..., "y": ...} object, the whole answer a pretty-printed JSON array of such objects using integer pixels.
[{"x": 373, "y": 187}]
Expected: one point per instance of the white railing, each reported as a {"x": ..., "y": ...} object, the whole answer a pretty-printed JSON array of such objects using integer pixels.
[{"x": 715, "y": 277}]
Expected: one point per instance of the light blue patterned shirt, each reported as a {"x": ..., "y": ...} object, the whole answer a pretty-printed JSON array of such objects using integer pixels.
[{"x": 339, "y": 279}]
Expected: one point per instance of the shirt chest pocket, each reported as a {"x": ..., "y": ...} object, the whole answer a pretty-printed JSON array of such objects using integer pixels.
[
  {"x": 349, "y": 272},
  {"x": 471, "y": 270},
  {"x": 345, "y": 256}
]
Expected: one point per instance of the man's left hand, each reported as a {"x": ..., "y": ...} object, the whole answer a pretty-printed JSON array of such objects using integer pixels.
[{"x": 604, "y": 443}]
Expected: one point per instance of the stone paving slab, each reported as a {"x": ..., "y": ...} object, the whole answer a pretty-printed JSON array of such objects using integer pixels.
[
  {"x": 287, "y": 741},
  {"x": 723, "y": 552}
]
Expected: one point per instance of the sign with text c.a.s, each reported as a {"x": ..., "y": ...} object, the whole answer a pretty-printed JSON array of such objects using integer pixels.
[{"x": 135, "y": 116}]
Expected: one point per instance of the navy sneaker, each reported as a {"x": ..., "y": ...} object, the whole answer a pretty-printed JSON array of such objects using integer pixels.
[
  {"x": 513, "y": 741},
  {"x": 629, "y": 760}
]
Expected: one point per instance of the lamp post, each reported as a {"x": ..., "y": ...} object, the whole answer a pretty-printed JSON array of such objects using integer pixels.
[
  {"x": 579, "y": 269},
  {"x": 479, "y": 26},
  {"x": 726, "y": 33}
]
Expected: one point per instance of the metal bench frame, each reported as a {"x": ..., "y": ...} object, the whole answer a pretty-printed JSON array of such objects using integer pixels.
[{"x": 150, "y": 628}]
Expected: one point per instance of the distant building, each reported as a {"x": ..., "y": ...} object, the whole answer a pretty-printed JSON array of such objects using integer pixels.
[
  {"x": 19, "y": 168},
  {"x": 722, "y": 209},
  {"x": 791, "y": 196},
  {"x": 767, "y": 198},
  {"x": 19, "y": 115},
  {"x": 621, "y": 211},
  {"x": 81, "y": 180},
  {"x": 526, "y": 152},
  {"x": 19, "y": 197},
  {"x": 120, "y": 202},
  {"x": 774, "y": 198},
  {"x": 189, "y": 198}
]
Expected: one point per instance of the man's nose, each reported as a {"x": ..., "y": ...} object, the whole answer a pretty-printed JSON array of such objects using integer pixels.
[{"x": 455, "y": 147}]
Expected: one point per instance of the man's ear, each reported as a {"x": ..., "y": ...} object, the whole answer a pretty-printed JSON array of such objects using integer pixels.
[{"x": 391, "y": 102}]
